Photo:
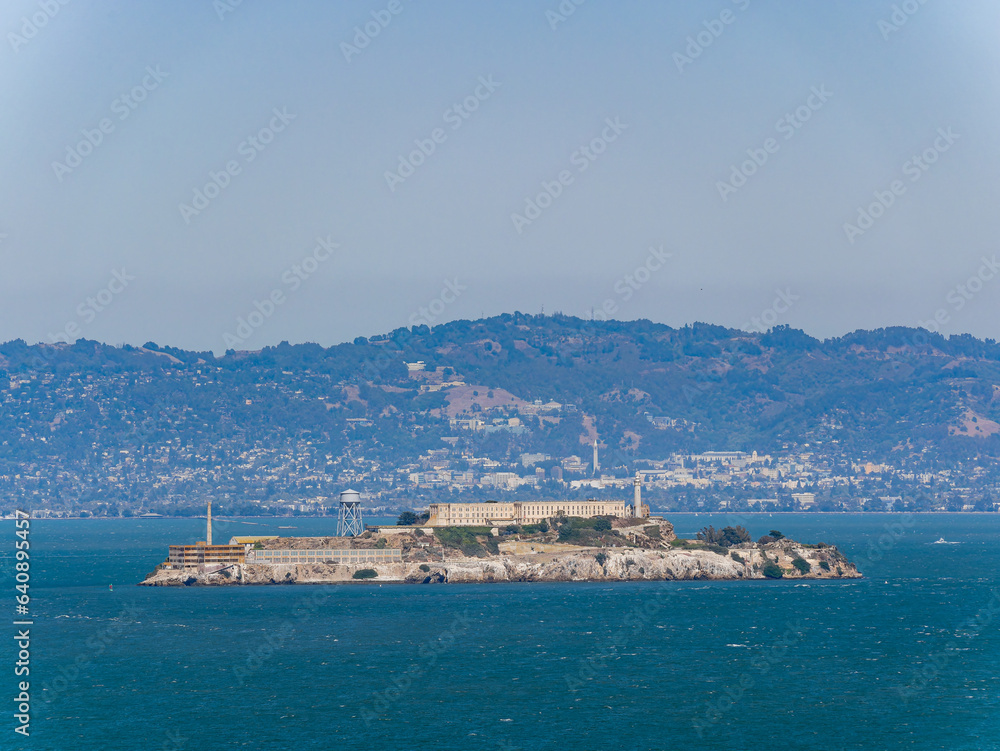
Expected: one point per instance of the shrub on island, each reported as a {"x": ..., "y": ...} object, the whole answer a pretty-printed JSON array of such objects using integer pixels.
[
  {"x": 586, "y": 531},
  {"x": 726, "y": 537},
  {"x": 772, "y": 570},
  {"x": 698, "y": 545},
  {"x": 365, "y": 573},
  {"x": 466, "y": 539}
]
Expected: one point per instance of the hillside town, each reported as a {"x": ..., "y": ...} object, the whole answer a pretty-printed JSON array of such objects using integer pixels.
[
  {"x": 298, "y": 480},
  {"x": 93, "y": 430}
]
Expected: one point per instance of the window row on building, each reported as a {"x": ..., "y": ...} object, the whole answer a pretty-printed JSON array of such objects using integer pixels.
[
  {"x": 518, "y": 512},
  {"x": 342, "y": 555},
  {"x": 191, "y": 556}
]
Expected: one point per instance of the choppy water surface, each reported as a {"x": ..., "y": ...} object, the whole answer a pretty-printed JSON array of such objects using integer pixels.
[{"x": 908, "y": 658}]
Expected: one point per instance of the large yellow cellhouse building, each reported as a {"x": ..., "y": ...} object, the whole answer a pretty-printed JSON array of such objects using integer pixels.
[{"x": 518, "y": 512}]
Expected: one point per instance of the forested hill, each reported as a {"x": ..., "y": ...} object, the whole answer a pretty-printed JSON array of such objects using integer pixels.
[{"x": 642, "y": 388}]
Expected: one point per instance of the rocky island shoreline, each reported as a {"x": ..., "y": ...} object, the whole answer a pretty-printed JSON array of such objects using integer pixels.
[{"x": 569, "y": 550}]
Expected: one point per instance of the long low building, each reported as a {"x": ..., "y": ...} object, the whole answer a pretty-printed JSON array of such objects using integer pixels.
[
  {"x": 329, "y": 555},
  {"x": 518, "y": 512},
  {"x": 201, "y": 555},
  {"x": 193, "y": 556}
]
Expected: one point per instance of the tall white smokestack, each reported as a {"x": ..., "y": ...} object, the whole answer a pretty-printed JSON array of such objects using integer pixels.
[{"x": 208, "y": 534}]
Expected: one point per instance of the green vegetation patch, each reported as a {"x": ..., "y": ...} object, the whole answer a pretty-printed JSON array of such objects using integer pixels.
[
  {"x": 534, "y": 529},
  {"x": 698, "y": 545},
  {"x": 365, "y": 573},
  {"x": 597, "y": 523},
  {"x": 593, "y": 531},
  {"x": 772, "y": 536},
  {"x": 726, "y": 537},
  {"x": 772, "y": 570},
  {"x": 467, "y": 540},
  {"x": 802, "y": 565}
]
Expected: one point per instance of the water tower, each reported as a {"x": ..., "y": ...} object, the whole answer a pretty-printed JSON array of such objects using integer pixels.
[{"x": 349, "y": 521}]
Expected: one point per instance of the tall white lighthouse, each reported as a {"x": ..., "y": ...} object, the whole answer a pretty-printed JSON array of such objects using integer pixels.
[
  {"x": 597, "y": 464},
  {"x": 638, "y": 510}
]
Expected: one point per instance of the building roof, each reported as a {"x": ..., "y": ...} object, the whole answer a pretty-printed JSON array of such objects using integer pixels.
[{"x": 251, "y": 540}]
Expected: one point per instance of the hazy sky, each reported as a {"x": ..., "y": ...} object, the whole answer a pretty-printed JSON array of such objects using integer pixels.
[{"x": 170, "y": 168}]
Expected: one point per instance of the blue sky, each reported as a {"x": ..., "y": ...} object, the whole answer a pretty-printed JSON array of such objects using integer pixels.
[{"x": 311, "y": 228}]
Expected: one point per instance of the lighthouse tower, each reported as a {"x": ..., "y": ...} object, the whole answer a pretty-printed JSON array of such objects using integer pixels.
[
  {"x": 597, "y": 464},
  {"x": 639, "y": 511},
  {"x": 208, "y": 532}
]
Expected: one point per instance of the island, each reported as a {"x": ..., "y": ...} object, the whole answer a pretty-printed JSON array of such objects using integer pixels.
[{"x": 563, "y": 548}]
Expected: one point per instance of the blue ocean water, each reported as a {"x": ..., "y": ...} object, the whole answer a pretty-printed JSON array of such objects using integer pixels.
[{"x": 907, "y": 658}]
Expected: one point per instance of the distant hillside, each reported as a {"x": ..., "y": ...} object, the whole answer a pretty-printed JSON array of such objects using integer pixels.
[{"x": 73, "y": 414}]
